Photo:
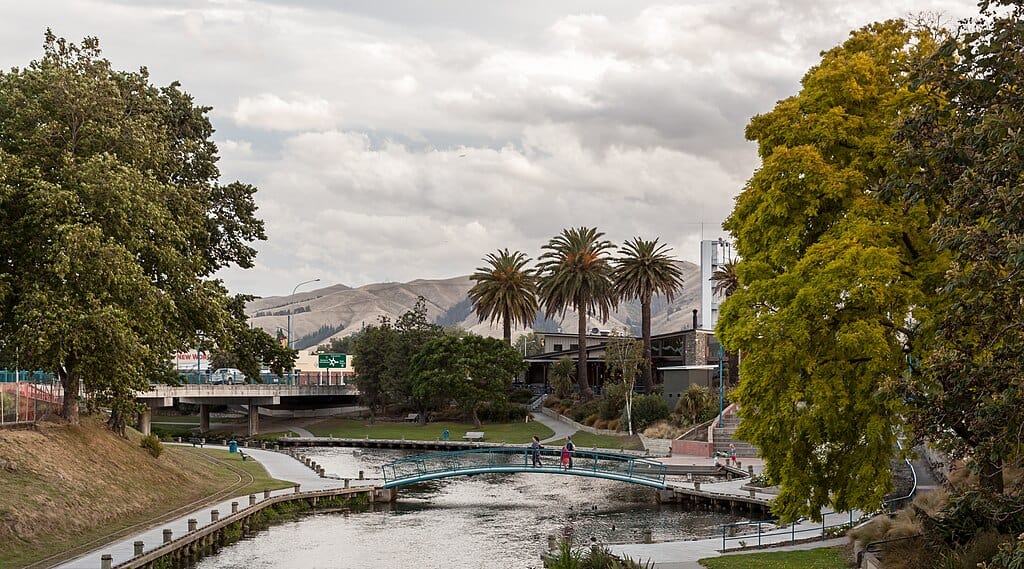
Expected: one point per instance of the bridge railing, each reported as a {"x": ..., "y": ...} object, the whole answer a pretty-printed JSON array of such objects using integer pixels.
[{"x": 521, "y": 458}]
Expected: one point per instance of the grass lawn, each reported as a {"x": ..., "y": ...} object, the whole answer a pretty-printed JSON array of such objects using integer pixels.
[
  {"x": 513, "y": 433},
  {"x": 824, "y": 558},
  {"x": 585, "y": 440}
]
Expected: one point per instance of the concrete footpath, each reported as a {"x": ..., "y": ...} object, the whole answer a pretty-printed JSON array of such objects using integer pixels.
[{"x": 278, "y": 465}]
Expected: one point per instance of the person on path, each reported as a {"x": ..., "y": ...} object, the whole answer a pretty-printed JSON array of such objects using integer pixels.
[
  {"x": 570, "y": 447},
  {"x": 565, "y": 457},
  {"x": 732, "y": 453},
  {"x": 535, "y": 446}
]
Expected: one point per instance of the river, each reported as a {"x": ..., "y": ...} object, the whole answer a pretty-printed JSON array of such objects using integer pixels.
[{"x": 492, "y": 521}]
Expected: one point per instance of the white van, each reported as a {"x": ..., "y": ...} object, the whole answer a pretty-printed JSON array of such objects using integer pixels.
[{"x": 227, "y": 375}]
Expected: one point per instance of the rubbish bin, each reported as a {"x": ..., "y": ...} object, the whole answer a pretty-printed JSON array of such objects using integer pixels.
[
  {"x": 444, "y": 435},
  {"x": 232, "y": 446}
]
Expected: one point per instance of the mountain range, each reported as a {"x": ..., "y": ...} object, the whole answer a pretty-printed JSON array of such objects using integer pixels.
[{"x": 338, "y": 310}]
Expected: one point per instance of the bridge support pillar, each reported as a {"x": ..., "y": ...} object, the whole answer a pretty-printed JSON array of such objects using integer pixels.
[
  {"x": 204, "y": 418},
  {"x": 145, "y": 420},
  {"x": 254, "y": 419}
]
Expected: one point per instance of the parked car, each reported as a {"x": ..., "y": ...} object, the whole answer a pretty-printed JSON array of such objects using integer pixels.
[{"x": 227, "y": 375}]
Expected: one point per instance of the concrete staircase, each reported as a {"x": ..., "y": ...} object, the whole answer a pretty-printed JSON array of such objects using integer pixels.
[{"x": 725, "y": 435}]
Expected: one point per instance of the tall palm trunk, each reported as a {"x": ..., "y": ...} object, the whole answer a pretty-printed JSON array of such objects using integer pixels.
[
  {"x": 507, "y": 316},
  {"x": 645, "y": 331},
  {"x": 581, "y": 370}
]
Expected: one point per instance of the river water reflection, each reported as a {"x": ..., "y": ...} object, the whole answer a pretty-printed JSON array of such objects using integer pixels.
[{"x": 493, "y": 521}]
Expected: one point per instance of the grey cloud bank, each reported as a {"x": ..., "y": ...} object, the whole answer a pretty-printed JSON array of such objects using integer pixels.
[{"x": 403, "y": 140}]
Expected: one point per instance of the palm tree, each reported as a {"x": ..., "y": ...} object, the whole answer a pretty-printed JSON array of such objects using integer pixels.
[
  {"x": 726, "y": 281},
  {"x": 644, "y": 270},
  {"x": 505, "y": 289},
  {"x": 575, "y": 271}
]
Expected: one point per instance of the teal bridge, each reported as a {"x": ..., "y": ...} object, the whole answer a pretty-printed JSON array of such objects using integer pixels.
[{"x": 593, "y": 464}]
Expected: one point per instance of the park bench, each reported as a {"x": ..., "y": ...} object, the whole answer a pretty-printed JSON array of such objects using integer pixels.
[
  {"x": 473, "y": 436},
  {"x": 412, "y": 417},
  {"x": 197, "y": 441}
]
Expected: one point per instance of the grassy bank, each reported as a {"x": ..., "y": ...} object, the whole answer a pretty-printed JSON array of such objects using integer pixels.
[
  {"x": 585, "y": 440},
  {"x": 69, "y": 488},
  {"x": 824, "y": 558},
  {"x": 513, "y": 433}
]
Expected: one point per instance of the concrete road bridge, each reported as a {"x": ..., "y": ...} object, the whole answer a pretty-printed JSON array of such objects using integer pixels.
[
  {"x": 592, "y": 464},
  {"x": 252, "y": 395}
]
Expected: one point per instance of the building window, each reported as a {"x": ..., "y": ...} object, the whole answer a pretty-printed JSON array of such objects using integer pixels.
[{"x": 558, "y": 347}]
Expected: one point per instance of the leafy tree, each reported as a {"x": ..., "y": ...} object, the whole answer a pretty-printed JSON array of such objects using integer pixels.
[
  {"x": 344, "y": 345},
  {"x": 965, "y": 160},
  {"x": 623, "y": 357},
  {"x": 505, "y": 289},
  {"x": 412, "y": 332},
  {"x": 530, "y": 344},
  {"x": 111, "y": 224},
  {"x": 562, "y": 376},
  {"x": 472, "y": 370},
  {"x": 645, "y": 269},
  {"x": 383, "y": 355},
  {"x": 372, "y": 352},
  {"x": 575, "y": 271},
  {"x": 831, "y": 277}
]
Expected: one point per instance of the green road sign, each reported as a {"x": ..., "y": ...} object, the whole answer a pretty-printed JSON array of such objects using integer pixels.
[{"x": 331, "y": 360}]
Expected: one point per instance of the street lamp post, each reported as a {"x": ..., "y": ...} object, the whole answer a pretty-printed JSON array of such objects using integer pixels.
[{"x": 289, "y": 345}]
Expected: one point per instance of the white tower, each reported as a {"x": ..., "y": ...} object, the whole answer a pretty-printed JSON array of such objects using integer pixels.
[{"x": 713, "y": 254}]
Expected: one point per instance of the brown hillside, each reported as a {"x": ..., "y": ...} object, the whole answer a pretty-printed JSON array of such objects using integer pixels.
[{"x": 347, "y": 310}]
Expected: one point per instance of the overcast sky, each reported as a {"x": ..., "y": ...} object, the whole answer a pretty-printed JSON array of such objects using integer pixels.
[{"x": 395, "y": 140}]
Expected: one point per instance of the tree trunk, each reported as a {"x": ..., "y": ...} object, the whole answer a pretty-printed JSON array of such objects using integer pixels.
[
  {"x": 645, "y": 331},
  {"x": 990, "y": 478},
  {"x": 581, "y": 369},
  {"x": 71, "y": 384},
  {"x": 508, "y": 327},
  {"x": 476, "y": 418}
]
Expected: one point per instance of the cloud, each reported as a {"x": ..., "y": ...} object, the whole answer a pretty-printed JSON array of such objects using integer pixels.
[
  {"x": 268, "y": 111},
  {"x": 400, "y": 140}
]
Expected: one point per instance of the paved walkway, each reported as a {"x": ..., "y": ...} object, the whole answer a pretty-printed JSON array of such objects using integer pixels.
[
  {"x": 278, "y": 465},
  {"x": 561, "y": 429}
]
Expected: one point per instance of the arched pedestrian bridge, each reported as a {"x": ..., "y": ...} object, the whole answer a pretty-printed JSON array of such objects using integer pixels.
[{"x": 593, "y": 464}]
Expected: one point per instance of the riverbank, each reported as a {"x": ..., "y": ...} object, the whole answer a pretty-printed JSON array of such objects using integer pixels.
[{"x": 67, "y": 488}]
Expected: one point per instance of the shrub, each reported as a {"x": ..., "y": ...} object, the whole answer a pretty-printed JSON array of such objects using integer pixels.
[
  {"x": 585, "y": 409},
  {"x": 610, "y": 406},
  {"x": 152, "y": 444},
  {"x": 523, "y": 395},
  {"x": 591, "y": 419},
  {"x": 1010, "y": 555},
  {"x": 647, "y": 409},
  {"x": 615, "y": 425},
  {"x": 502, "y": 412},
  {"x": 552, "y": 402},
  {"x": 600, "y": 424}
]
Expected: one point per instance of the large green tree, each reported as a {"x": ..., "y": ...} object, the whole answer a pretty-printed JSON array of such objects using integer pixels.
[
  {"x": 831, "y": 277},
  {"x": 575, "y": 271},
  {"x": 470, "y": 370},
  {"x": 111, "y": 223},
  {"x": 965, "y": 159},
  {"x": 505, "y": 289},
  {"x": 643, "y": 270}
]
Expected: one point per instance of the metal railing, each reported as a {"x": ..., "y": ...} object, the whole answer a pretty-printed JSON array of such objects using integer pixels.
[
  {"x": 520, "y": 459},
  {"x": 768, "y": 532}
]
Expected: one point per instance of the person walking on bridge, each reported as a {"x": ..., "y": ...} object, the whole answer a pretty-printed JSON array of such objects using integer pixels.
[
  {"x": 535, "y": 447},
  {"x": 571, "y": 448}
]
